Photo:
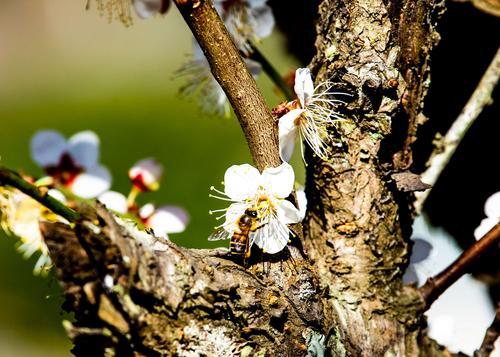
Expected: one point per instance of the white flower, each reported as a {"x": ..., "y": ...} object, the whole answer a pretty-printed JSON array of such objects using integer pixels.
[
  {"x": 21, "y": 216},
  {"x": 266, "y": 193},
  {"x": 309, "y": 117},
  {"x": 73, "y": 163},
  {"x": 162, "y": 220},
  {"x": 202, "y": 84},
  {"x": 146, "y": 174},
  {"x": 246, "y": 20},
  {"x": 492, "y": 211},
  {"x": 147, "y": 8}
]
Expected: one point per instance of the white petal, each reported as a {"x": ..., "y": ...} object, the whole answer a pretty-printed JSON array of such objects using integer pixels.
[
  {"x": 147, "y": 8},
  {"x": 58, "y": 195},
  {"x": 288, "y": 213},
  {"x": 47, "y": 147},
  {"x": 263, "y": 23},
  {"x": 492, "y": 206},
  {"x": 288, "y": 131},
  {"x": 84, "y": 148},
  {"x": 486, "y": 225},
  {"x": 421, "y": 250},
  {"x": 256, "y": 3},
  {"x": 114, "y": 201},
  {"x": 147, "y": 210},
  {"x": 91, "y": 183},
  {"x": 233, "y": 213},
  {"x": 272, "y": 237},
  {"x": 304, "y": 86},
  {"x": 241, "y": 182},
  {"x": 168, "y": 219},
  {"x": 198, "y": 52},
  {"x": 147, "y": 174},
  {"x": 279, "y": 181},
  {"x": 301, "y": 202}
]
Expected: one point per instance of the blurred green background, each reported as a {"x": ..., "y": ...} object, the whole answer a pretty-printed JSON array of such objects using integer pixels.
[{"x": 65, "y": 68}]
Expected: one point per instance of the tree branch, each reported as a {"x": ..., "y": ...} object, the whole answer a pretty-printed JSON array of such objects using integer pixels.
[
  {"x": 435, "y": 286},
  {"x": 232, "y": 74},
  {"x": 12, "y": 178},
  {"x": 445, "y": 150},
  {"x": 490, "y": 337}
]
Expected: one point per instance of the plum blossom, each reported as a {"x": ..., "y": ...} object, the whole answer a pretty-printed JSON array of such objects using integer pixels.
[
  {"x": 146, "y": 175},
  {"x": 246, "y": 20},
  {"x": 265, "y": 193},
  {"x": 20, "y": 215},
  {"x": 202, "y": 84},
  {"x": 308, "y": 117},
  {"x": 492, "y": 211},
  {"x": 122, "y": 9},
  {"x": 72, "y": 163},
  {"x": 163, "y": 220}
]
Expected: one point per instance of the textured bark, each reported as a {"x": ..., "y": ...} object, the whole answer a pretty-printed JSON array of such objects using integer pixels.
[{"x": 339, "y": 294}]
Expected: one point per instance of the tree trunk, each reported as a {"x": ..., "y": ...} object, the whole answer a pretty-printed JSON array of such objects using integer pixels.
[{"x": 337, "y": 292}]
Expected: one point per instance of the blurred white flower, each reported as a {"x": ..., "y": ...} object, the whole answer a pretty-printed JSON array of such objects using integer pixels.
[
  {"x": 265, "y": 193},
  {"x": 309, "y": 117},
  {"x": 146, "y": 175},
  {"x": 163, "y": 220},
  {"x": 246, "y": 20},
  {"x": 121, "y": 9},
  {"x": 201, "y": 83},
  {"x": 450, "y": 322},
  {"x": 492, "y": 212},
  {"x": 21, "y": 216},
  {"x": 73, "y": 163}
]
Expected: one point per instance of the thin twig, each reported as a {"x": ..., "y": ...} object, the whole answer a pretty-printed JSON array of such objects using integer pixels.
[
  {"x": 442, "y": 155},
  {"x": 12, "y": 178},
  {"x": 490, "y": 337},
  {"x": 232, "y": 74},
  {"x": 273, "y": 74},
  {"x": 435, "y": 286}
]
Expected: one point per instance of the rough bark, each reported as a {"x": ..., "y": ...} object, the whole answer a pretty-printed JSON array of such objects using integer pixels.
[{"x": 342, "y": 295}]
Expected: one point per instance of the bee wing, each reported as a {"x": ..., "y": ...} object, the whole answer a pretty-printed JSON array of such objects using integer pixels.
[{"x": 219, "y": 234}]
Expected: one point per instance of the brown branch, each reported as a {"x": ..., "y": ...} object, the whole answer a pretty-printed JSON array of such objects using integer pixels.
[
  {"x": 490, "y": 337},
  {"x": 232, "y": 74},
  {"x": 435, "y": 286}
]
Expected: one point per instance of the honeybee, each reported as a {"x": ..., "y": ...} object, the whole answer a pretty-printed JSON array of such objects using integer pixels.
[{"x": 240, "y": 241}]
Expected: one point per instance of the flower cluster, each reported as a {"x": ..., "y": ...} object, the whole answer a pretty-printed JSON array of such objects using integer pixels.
[
  {"x": 266, "y": 194},
  {"x": 73, "y": 173},
  {"x": 122, "y": 9},
  {"x": 308, "y": 117}
]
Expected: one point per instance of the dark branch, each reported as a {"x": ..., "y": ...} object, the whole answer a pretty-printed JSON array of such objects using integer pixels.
[
  {"x": 492, "y": 334},
  {"x": 435, "y": 286},
  {"x": 232, "y": 74},
  {"x": 11, "y": 178}
]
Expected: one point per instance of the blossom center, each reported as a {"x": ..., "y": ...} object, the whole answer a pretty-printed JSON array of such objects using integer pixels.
[{"x": 65, "y": 171}]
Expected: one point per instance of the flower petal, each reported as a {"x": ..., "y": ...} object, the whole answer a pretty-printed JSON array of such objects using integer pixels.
[
  {"x": 279, "y": 181},
  {"x": 147, "y": 8},
  {"x": 484, "y": 227},
  {"x": 301, "y": 202},
  {"x": 168, "y": 219},
  {"x": 272, "y": 237},
  {"x": 288, "y": 131},
  {"x": 147, "y": 210},
  {"x": 233, "y": 214},
  {"x": 263, "y": 21},
  {"x": 114, "y": 201},
  {"x": 241, "y": 182},
  {"x": 84, "y": 148},
  {"x": 47, "y": 147},
  {"x": 304, "y": 87},
  {"x": 253, "y": 66},
  {"x": 91, "y": 183},
  {"x": 288, "y": 213},
  {"x": 58, "y": 195},
  {"x": 492, "y": 206}
]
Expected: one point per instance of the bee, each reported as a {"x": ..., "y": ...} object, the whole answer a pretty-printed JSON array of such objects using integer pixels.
[{"x": 240, "y": 240}]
